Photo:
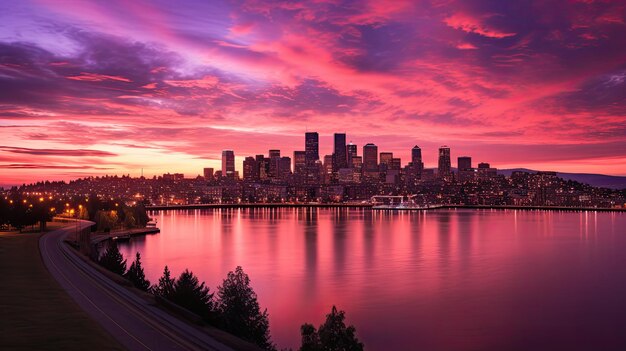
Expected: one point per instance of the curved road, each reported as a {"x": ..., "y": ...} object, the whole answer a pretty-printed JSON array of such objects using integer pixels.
[{"x": 135, "y": 323}]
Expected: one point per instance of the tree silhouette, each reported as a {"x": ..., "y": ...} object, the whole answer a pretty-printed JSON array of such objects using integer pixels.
[
  {"x": 240, "y": 310},
  {"x": 165, "y": 287},
  {"x": 189, "y": 293},
  {"x": 113, "y": 260},
  {"x": 333, "y": 335},
  {"x": 310, "y": 338},
  {"x": 136, "y": 275}
]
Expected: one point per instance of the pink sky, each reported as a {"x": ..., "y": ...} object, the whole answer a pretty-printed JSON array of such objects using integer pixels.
[{"x": 111, "y": 87}]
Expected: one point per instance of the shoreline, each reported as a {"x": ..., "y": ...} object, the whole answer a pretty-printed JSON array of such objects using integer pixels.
[{"x": 369, "y": 206}]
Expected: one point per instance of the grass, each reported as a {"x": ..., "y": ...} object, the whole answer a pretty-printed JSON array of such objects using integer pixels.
[{"x": 35, "y": 312}]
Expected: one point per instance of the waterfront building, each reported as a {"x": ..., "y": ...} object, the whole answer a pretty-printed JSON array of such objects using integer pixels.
[
  {"x": 445, "y": 167},
  {"x": 208, "y": 174},
  {"x": 299, "y": 162},
  {"x": 370, "y": 161},
  {"x": 312, "y": 156},
  {"x": 339, "y": 153},
  {"x": 228, "y": 164},
  {"x": 351, "y": 153}
]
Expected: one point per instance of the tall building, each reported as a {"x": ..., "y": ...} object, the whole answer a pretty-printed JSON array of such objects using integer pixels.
[
  {"x": 311, "y": 147},
  {"x": 370, "y": 160},
  {"x": 385, "y": 161},
  {"x": 299, "y": 162},
  {"x": 465, "y": 171},
  {"x": 351, "y": 153},
  {"x": 416, "y": 155},
  {"x": 284, "y": 167},
  {"x": 444, "y": 168},
  {"x": 464, "y": 163},
  {"x": 328, "y": 168},
  {"x": 312, "y": 155},
  {"x": 250, "y": 169},
  {"x": 228, "y": 164},
  {"x": 340, "y": 160},
  {"x": 208, "y": 173},
  {"x": 274, "y": 160}
]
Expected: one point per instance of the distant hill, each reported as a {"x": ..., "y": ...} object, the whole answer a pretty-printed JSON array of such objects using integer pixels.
[{"x": 598, "y": 180}]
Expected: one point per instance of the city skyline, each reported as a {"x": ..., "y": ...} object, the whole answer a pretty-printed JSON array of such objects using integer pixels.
[{"x": 96, "y": 88}]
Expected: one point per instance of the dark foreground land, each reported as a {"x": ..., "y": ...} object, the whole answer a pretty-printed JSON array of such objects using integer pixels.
[{"x": 35, "y": 312}]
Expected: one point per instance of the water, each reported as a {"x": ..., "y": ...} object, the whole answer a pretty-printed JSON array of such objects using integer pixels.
[{"x": 433, "y": 280}]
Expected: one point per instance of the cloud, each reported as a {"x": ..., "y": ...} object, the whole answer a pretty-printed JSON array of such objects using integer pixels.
[
  {"x": 475, "y": 25},
  {"x": 56, "y": 152}
]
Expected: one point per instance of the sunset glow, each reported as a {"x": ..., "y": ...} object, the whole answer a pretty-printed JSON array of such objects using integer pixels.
[{"x": 114, "y": 87}]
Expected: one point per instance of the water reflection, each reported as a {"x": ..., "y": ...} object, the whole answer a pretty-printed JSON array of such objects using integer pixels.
[{"x": 435, "y": 280}]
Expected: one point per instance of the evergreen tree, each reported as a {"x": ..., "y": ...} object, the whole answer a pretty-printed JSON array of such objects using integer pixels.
[
  {"x": 165, "y": 287},
  {"x": 333, "y": 335},
  {"x": 189, "y": 293},
  {"x": 136, "y": 275},
  {"x": 310, "y": 338},
  {"x": 240, "y": 310},
  {"x": 113, "y": 260}
]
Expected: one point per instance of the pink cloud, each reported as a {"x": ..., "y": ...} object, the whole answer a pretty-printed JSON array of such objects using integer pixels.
[{"x": 475, "y": 25}]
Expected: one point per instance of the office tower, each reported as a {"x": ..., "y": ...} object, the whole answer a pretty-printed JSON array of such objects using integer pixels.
[
  {"x": 339, "y": 154},
  {"x": 311, "y": 149},
  {"x": 464, "y": 163},
  {"x": 228, "y": 164},
  {"x": 444, "y": 162},
  {"x": 328, "y": 168},
  {"x": 465, "y": 171},
  {"x": 416, "y": 155},
  {"x": 484, "y": 165},
  {"x": 208, "y": 173},
  {"x": 284, "y": 169},
  {"x": 274, "y": 153},
  {"x": 263, "y": 166},
  {"x": 395, "y": 164},
  {"x": 370, "y": 160},
  {"x": 351, "y": 153},
  {"x": 250, "y": 168},
  {"x": 274, "y": 161},
  {"x": 299, "y": 162},
  {"x": 385, "y": 161},
  {"x": 357, "y": 165}
]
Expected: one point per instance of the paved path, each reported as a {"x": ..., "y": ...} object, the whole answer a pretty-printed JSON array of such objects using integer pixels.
[{"x": 134, "y": 322}]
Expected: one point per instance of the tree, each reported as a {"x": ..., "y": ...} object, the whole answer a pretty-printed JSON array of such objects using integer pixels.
[
  {"x": 333, "y": 335},
  {"x": 310, "y": 338},
  {"x": 189, "y": 293},
  {"x": 240, "y": 310},
  {"x": 113, "y": 260},
  {"x": 165, "y": 287},
  {"x": 136, "y": 275}
]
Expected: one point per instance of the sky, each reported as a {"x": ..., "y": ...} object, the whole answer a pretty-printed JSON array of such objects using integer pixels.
[{"x": 114, "y": 87}]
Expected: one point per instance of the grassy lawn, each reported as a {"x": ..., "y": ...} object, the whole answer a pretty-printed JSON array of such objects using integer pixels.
[{"x": 35, "y": 312}]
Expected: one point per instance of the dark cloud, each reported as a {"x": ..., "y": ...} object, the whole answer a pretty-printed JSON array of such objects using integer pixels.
[{"x": 56, "y": 152}]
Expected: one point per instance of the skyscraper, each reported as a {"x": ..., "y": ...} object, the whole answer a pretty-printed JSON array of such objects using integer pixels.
[
  {"x": 464, "y": 163},
  {"x": 340, "y": 159},
  {"x": 416, "y": 155},
  {"x": 444, "y": 161},
  {"x": 311, "y": 147},
  {"x": 250, "y": 168},
  {"x": 274, "y": 163},
  {"x": 299, "y": 162},
  {"x": 465, "y": 172},
  {"x": 312, "y": 155},
  {"x": 351, "y": 153},
  {"x": 228, "y": 164},
  {"x": 370, "y": 160},
  {"x": 385, "y": 161},
  {"x": 208, "y": 173}
]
